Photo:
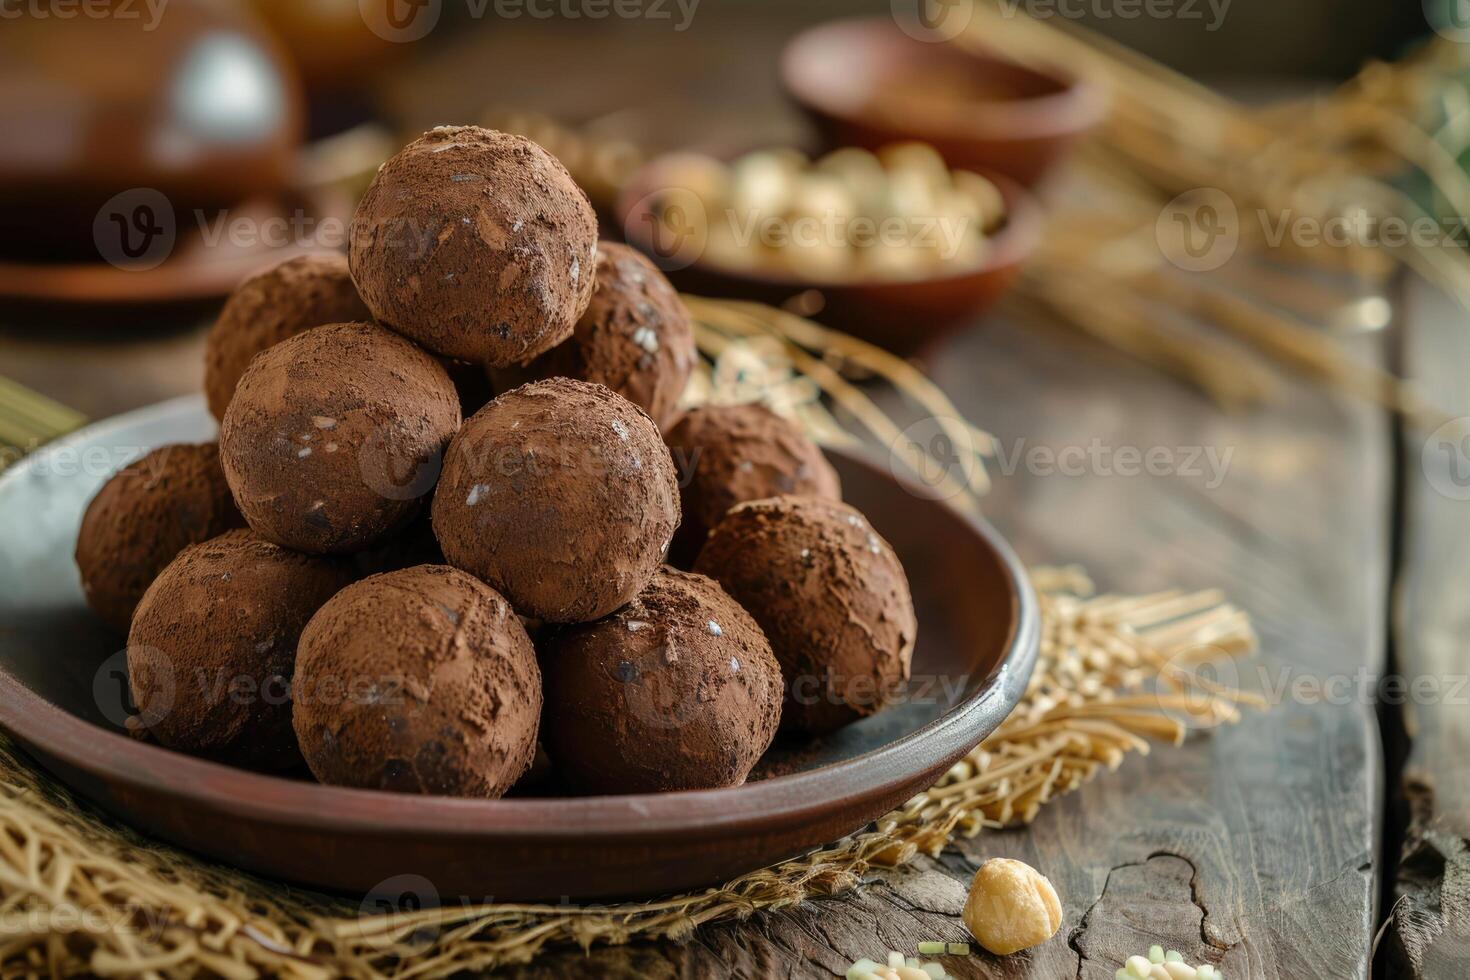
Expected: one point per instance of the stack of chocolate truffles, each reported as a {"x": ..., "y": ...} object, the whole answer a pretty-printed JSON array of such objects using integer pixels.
[{"x": 387, "y": 579}]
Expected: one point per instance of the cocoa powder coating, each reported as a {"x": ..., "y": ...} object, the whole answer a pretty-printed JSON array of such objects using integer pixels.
[
  {"x": 676, "y": 690},
  {"x": 213, "y": 647},
  {"x": 561, "y": 496},
  {"x": 298, "y": 294},
  {"x": 418, "y": 681},
  {"x": 635, "y": 337},
  {"x": 143, "y": 517},
  {"x": 335, "y": 435},
  {"x": 477, "y": 244},
  {"x": 727, "y": 454},
  {"x": 832, "y": 599}
]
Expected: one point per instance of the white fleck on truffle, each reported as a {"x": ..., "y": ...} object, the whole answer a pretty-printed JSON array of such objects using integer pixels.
[
  {"x": 646, "y": 339},
  {"x": 620, "y": 429},
  {"x": 303, "y": 452},
  {"x": 714, "y": 628},
  {"x": 323, "y": 422},
  {"x": 476, "y": 492}
]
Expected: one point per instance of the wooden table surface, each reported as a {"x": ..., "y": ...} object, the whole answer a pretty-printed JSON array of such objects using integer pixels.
[{"x": 1271, "y": 848}]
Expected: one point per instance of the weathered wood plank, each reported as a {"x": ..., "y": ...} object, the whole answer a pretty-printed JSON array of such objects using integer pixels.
[
  {"x": 1429, "y": 931},
  {"x": 1253, "y": 848}
]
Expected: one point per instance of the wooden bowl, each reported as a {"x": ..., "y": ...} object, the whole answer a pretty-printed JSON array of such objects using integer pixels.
[
  {"x": 865, "y": 82},
  {"x": 61, "y": 671},
  {"x": 901, "y": 315}
]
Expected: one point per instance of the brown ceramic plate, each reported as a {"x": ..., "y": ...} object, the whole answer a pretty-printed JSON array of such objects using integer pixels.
[
  {"x": 866, "y": 82},
  {"x": 901, "y": 315},
  {"x": 59, "y": 695}
]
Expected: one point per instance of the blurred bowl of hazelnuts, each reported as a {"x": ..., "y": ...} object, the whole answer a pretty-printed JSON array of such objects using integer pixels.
[{"x": 893, "y": 246}]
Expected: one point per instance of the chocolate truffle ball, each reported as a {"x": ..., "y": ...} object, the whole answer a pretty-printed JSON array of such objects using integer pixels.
[
  {"x": 561, "y": 495},
  {"x": 418, "y": 681},
  {"x": 676, "y": 690},
  {"x": 335, "y": 435},
  {"x": 143, "y": 517},
  {"x": 831, "y": 597},
  {"x": 727, "y": 454},
  {"x": 635, "y": 337},
  {"x": 213, "y": 647},
  {"x": 298, "y": 294},
  {"x": 477, "y": 244}
]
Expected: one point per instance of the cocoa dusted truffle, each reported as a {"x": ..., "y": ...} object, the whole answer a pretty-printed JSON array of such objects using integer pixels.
[
  {"x": 298, "y": 294},
  {"x": 635, "y": 337},
  {"x": 418, "y": 681},
  {"x": 477, "y": 244},
  {"x": 560, "y": 495},
  {"x": 831, "y": 597},
  {"x": 335, "y": 434},
  {"x": 143, "y": 517},
  {"x": 213, "y": 647},
  {"x": 676, "y": 690},
  {"x": 727, "y": 454}
]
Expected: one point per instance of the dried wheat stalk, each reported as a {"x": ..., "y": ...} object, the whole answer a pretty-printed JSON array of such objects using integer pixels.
[{"x": 1322, "y": 158}]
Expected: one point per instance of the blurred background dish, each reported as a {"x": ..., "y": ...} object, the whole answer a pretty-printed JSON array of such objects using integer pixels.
[
  {"x": 867, "y": 83},
  {"x": 203, "y": 111},
  {"x": 901, "y": 299},
  {"x": 199, "y": 267}
]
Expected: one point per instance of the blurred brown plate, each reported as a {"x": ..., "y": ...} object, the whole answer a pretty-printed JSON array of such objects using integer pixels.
[
  {"x": 867, "y": 83},
  {"x": 200, "y": 265},
  {"x": 901, "y": 315},
  {"x": 61, "y": 674}
]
